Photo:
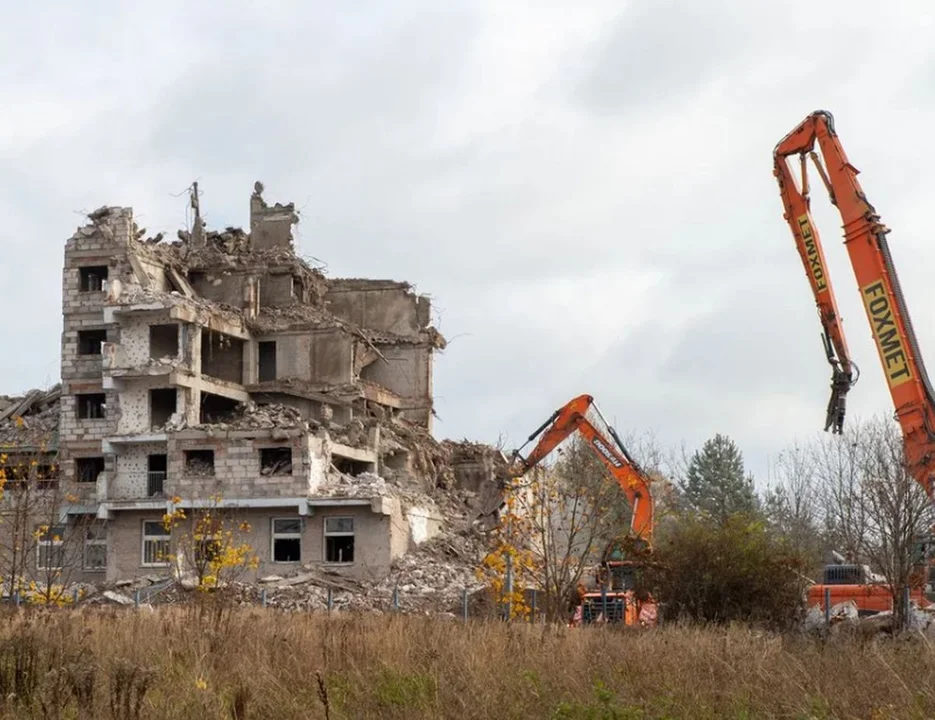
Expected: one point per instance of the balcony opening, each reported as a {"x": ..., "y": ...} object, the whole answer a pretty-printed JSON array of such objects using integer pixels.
[
  {"x": 92, "y": 278},
  {"x": 267, "y": 361},
  {"x": 91, "y": 406},
  {"x": 88, "y": 468},
  {"x": 351, "y": 467},
  {"x": 90, "y": 341},
  {"x": 157, "y": 465},
  {"x": 216, "y": 408},
  {"x": 163, "y": 341},
  {"x": 163, "y": 403},
  {"x": 276, "y": 461},
  {"x": 199, "y": 463},
  {"x": 222, "y": 356}
]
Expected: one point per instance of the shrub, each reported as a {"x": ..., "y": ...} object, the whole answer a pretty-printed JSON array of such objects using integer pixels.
[{"x": 735, "y": 571}]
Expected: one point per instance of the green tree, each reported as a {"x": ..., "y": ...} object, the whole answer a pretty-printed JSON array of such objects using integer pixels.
[{"x": 716, "y": 484}]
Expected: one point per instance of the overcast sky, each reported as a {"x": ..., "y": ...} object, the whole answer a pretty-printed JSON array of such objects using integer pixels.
[{"x": 584, "y": 188}]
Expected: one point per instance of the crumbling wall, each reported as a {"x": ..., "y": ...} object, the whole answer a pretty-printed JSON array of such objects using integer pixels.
[
  {"x": 270, "y": 227},
  {"x": 277, "y": 290},
  {"x": 222, "y": 287},
  {"x": 407, "y": 370},
  {"x": 331, "y": 357},
  {"x": 381, "y": 305}
]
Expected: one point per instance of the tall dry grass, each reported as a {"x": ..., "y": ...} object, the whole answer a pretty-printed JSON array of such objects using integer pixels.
[{"x": 265, "y": 664}]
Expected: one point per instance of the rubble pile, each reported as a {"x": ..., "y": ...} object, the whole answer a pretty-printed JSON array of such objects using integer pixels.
[
  {"x": 30, "y": 419},
  {"x": 844, "y": 618}
]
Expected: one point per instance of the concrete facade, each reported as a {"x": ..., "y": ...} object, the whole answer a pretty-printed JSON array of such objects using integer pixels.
[{"x": 223, "y": 365}]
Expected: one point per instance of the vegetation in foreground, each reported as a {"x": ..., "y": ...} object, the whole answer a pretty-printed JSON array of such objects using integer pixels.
[{"x": 123, "y": 664}]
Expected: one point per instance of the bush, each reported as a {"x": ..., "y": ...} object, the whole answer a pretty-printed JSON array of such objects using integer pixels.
[{"x": 735, "y": 571}]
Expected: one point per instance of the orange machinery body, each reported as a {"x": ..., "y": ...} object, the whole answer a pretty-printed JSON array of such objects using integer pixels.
[
  {"x": 870, "y": 598},
  {"x": 568, "y": 419}
]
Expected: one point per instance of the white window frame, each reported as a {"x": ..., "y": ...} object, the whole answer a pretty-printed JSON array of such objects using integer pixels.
[
  {"x": 164, "y": 537},
  {"x": 335, "y": 533},
  {"x": 45, "y": 542},
  {"x": 274, "y": 536},
  {"x": 94, "y": 542}
]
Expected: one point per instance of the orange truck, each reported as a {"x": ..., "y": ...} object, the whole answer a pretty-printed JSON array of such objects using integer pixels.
[
  {"x": 616, "y": 599},
  {"x": 865, "y": 238}
]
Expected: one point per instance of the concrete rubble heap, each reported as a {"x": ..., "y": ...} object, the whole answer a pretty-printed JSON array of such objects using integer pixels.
[{"x": 221, "y": 363}]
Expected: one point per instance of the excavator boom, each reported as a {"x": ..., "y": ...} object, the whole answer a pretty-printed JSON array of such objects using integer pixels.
[
  {"x": 882, "y": 296},
  {"x": 572, "y": 417}
]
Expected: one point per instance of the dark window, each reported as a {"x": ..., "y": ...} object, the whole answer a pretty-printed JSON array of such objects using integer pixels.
[
  {"x": 222, "y": 356},
  {"x": 339, "y": 539},
  {"x": 92, "y": 406},
  {"x": 287, "y": 539},
  {"x": 89, "y": 341},
  {"x": 276, "y": 461},
  {"x": 267, "y": 361},
  {"x": 352, "y": 467},
  {"x": 87, "y": 469},
  {"x": 162, "y": 405},
  {"x": 216, "y": 408},
  {"x": 92, "y": 278},
  {"x": 199, "y": 462},
  {"x": 163, "y": 341},
  {"x": 156, "y": 475}
]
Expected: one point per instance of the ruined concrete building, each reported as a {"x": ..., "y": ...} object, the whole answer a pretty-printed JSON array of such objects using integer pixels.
[{"x": 222, "y": 364}]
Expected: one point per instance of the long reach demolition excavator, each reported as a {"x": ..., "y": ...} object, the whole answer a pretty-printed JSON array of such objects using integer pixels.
[
  {"x": 618, "y": 598},
  {"x": 885, "y": 306}
]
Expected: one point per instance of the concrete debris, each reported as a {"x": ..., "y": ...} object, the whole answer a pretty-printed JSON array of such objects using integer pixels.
[
  {"x": 30, "y": 420},
  {"x": 845, "y": 619},
  {"x": 117, "y": 597}
]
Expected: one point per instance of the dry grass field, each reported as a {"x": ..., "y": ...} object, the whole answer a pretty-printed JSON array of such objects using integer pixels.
[{"x": 167, "y": 664}]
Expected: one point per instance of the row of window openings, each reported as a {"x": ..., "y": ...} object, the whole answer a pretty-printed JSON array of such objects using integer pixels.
[
  {"x": 286, "y": 544},
  {"x": 163, "y": 404},
  {"x": 285, "y": 541},
  {"x": 51, "y": 548},
  {"x": 273, "y": 461},
  {"x": 164, "y": 342}
]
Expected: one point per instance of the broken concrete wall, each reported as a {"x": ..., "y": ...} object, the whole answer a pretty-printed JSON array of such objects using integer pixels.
[
  {"x": 379, "y": 305},
  {"x": 270, "y": 226},
  {"x": 407, "y": 372},
  {"x": 331, "y": 357},
  {"x": 277, "y": 290},
  {"x": 222, "y": 287},
  {"x": 293, "y": 355}
]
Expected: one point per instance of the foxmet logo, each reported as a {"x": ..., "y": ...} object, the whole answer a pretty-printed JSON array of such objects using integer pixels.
[
  {"x": 811, "y": 253},
  {"x": 606, "y": 452},
  {"x": 885, "y": 332}
]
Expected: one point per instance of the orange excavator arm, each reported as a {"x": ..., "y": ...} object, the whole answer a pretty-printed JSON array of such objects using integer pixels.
[
  {"x": 868, "y": 249},
  {"x": 797, "y": 204},
  {"x": 634, "y": 483}
]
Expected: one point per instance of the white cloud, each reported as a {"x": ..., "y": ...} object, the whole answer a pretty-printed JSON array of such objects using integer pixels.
[{"x": 586, "y": 194}]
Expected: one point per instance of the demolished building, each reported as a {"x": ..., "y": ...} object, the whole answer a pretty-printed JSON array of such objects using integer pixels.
[{"x": 222, "y": 365}]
